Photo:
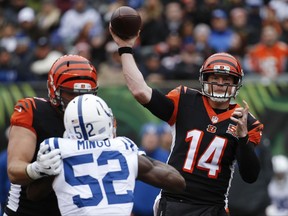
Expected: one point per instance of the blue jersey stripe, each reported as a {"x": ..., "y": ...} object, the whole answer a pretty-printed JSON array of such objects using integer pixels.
[
  {"x": 128, "y": 143},
  {"x": 47, "y": 143},
  {"x": 81, "y": 121},
  {"x": 56, "y": 143}
]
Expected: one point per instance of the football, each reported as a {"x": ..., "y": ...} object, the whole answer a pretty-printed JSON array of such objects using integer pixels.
[{"x": 125, "y": 22}]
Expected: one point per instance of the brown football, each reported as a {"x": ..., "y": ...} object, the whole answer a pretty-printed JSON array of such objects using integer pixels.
[{"x": 125, "y": 22}]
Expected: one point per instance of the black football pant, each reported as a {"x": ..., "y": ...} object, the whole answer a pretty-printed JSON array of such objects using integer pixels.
[{"x": 174, "y": 207}]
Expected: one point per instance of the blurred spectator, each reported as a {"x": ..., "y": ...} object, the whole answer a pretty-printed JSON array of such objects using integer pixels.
[
  {"x": 252, "y": 199},
  {"x": 4, "y": 181},
  {"x": 12, "y": 10},
  {"x": 205, "y": 9},
  {"x": 232, "y": 4},
  {"x": 240, "y": 25},
  {"x": 255, "y": 3},
  {"x": 191, "y": 10},
  {"x": 151, "y": 67},
  {"x": 48, "y": 17},
  {"x": 269, "y": 18},
  {"x": 186, "y": 32},
  {"x": 82, "y": 49},
  {"x": 108, "y": 7},
  {"x": 28, "y": 25},
  {"x": 8, "y": 37},
  {"x": 254, "y": 19},
  {"x": 79, "y": 21},
  {"x": 166, "y": 137},
  {"x": 268, "y": 58},
  {"x": 280, "y": 7},
  {"x": 8, "y": 66},
  {"x": 63, "y": 5},
  {"x": 189, "y": 65},
  {"x": 284, "y": 34},
  {"x": 237, "y": 47},
  {"x": 144, "y": 194},
  {"x": 201, "y": 35},
  {"x": 151, "y": 14},
  {"x": 85, "y": 49},
  {"x": 278, "y": 187},
  {"x": 221, "y": 35},
  {"x": 44, "y": 57},
  {"x": 2, "y": 17},
  {"x": 24, "y": 52},
  {"x": 169, "y": 52},
  {"x": 110, "y": 71},
  {"x": 173, "y": 17}
]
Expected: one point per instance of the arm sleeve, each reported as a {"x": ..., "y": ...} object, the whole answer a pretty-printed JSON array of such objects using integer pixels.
[
  {"x": 249, "y": 165},
  {"x": 160, "y": 105}
]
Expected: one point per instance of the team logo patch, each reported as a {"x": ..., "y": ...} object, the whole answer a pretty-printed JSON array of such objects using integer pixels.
[
  {"x": 232, "y": 130},
  {"x": 211, "y": 128},
  {"x": 82, "y": 86},
  {"x": 221, "y": 67}
]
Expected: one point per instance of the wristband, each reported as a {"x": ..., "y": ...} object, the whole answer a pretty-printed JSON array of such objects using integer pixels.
[
  {"x": 122, "y": 50},
  {"x": 243, "y": 140}
]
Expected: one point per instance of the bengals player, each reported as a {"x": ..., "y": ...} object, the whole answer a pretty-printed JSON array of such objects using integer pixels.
[
  {"x": 36, "y": 119},
  {"x": 209, "y": 133}
]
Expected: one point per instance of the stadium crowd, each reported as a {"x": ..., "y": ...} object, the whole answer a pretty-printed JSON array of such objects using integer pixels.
[{"x": 176, "y": 36}]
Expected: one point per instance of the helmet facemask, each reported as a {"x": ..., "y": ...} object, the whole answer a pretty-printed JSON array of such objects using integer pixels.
[{"x": 231, "y": 90}]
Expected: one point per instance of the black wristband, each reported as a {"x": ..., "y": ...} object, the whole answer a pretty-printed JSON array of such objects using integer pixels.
[
  {"x": 122, "y": 50},
  {"x": 243, "y": 140}
]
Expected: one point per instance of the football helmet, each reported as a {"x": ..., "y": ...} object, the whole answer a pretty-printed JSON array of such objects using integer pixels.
[
  {"x": 280, "y": 164},
  {"x": 87, "y": 117},
  {"x": 221, "y": 63},
  {"x": 72, "y": 74}
]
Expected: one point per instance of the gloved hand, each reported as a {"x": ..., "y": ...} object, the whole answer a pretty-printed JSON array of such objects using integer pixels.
[{"x": 47, "y": 163}]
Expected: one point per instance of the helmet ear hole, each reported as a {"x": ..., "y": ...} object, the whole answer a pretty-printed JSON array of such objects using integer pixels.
[{"x": 236, "y": 80}]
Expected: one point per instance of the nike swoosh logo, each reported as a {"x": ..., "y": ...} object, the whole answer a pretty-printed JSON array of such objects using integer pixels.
[{"x": 18, "y": 109}]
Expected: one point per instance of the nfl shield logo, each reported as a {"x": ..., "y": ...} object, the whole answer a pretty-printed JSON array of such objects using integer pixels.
[{"x": 214, "y": 119}]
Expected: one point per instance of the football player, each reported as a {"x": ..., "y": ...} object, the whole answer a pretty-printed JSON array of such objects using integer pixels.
[
  {"x": 99, "y": 170},
  {"x": 209, "y": 132},
  {"x": 35, "y": 119}
]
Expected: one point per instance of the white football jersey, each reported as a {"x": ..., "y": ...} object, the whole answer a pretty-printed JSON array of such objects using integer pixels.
[{"x": 97, "y": 177}]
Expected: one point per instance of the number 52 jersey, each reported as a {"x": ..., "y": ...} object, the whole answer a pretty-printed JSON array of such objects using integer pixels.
[{"x": 97, "y": 177}]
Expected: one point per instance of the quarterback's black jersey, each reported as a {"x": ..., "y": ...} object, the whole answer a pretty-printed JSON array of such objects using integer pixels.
[
  {"x": 204, "y": 146},
  {"x": 45, "y": 121}
]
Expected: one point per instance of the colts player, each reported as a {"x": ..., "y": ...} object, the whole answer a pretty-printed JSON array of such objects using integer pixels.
[{"x": 99, "y": 170}]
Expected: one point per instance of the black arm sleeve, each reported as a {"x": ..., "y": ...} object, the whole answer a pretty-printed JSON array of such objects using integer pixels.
[
  {"x": 160, "y": 105},
  {"x": 249, "y": 165}
]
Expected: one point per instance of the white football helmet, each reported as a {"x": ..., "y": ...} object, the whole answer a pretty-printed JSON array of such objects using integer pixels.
[
  {"x": 280, "y": 164},
  {"x": 88, "y": 117}
]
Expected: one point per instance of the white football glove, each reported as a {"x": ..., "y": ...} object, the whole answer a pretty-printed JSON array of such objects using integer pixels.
[{"x": 47, "y": 163}]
